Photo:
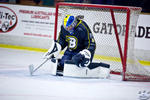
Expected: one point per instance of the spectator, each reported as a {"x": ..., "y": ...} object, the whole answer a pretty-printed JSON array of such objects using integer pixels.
[
  {"x": 97, "y": 1},
  {"x": 48, "y": 2},
  {"x": 146, "y": 6},
  {"x": 12, "y": 1},
  {"x": 4, "y": 1},
  {"x": 37, "y": 2}
]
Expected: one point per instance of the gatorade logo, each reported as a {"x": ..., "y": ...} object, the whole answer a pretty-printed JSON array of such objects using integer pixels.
[{"x": 8, "y": 19}]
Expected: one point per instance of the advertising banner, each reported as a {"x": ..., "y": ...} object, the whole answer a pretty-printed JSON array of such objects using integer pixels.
[
  {"x": 30, "y": 21},
  {"x": 38, "y": 22},
  {"x": 142, "y": 40}
]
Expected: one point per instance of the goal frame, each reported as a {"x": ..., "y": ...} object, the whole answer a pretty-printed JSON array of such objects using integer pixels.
[{"x": 123, "y": 53}]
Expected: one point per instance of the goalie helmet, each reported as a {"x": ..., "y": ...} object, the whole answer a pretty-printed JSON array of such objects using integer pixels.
[{"x": 69, "y": 23}]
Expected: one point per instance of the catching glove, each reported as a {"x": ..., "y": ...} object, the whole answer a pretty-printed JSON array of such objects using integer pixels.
[{"x": 82, "y": 59}]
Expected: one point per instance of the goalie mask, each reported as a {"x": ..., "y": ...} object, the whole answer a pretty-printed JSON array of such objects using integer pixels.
[{"x": 69, "y": 23}]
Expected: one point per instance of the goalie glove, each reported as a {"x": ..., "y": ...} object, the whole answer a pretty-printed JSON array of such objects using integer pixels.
[
  {"x": 82, "y": 59},
  {"x": 53, "y": 51}
]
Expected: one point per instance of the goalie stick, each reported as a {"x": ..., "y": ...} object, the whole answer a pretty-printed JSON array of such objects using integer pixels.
[
  {"x": 32, "y": 69},
  {"x": 52, "y": 53}
]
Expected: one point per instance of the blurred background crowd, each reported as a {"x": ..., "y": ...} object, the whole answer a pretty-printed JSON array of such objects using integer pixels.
[{"x": 145, "y": 4}]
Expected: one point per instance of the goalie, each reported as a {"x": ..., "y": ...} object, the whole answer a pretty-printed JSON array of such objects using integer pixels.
[
  {"x": 76, "y": 35},
  {"x": 78, "y": 38}
]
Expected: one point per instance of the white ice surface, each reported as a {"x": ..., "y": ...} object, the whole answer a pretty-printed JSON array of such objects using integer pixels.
[{"x": 17, "y": 84}]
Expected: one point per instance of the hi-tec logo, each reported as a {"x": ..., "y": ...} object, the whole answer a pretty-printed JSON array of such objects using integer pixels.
[{"x": 8, "y": 19}]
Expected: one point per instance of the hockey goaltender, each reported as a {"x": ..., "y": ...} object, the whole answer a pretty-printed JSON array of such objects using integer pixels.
[{"x": 77, "y": 59}]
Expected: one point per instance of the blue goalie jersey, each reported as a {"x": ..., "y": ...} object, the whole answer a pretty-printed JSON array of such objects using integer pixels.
[{"x": 81, "y": 38}]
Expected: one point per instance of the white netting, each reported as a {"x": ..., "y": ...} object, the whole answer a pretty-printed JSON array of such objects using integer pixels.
[
  {"x": 100, "y": 22},
  {"x": 134, "y": 70}
]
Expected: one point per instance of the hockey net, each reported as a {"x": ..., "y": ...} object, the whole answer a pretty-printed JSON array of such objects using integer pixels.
[{"x": 114, "y": 30}]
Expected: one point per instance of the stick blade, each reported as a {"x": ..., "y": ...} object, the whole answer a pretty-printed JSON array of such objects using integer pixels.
[{"x": 31, "y": 68}]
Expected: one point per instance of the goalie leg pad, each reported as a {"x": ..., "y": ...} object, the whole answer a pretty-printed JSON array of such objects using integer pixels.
[
  {"x": 104, "y": 72},
  {"x": 51, "y": 66},
  {"x": 71, "y": 70},
  {"x": 101, "y": 70}
]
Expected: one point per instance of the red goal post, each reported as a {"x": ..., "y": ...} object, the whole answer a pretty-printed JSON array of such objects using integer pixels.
[{"x": 114, "y": 30}]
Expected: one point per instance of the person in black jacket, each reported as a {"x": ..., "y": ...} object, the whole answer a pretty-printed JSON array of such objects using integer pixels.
[{"x": 76, "y": 35}]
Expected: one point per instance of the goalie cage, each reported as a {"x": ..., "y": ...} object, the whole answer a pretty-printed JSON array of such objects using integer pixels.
[{"x": 114, "y": 29}]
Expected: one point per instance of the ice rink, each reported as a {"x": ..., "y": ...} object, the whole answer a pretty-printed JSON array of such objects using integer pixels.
[{"x": 17, "y": 84}]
